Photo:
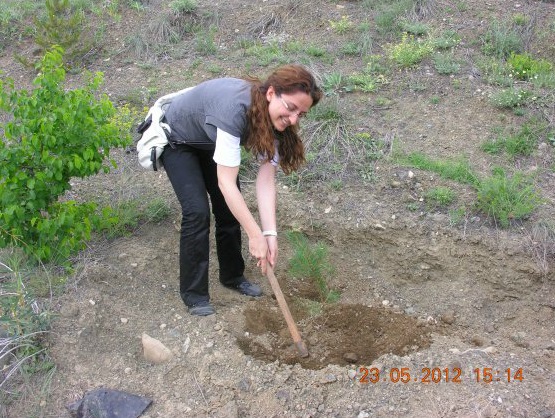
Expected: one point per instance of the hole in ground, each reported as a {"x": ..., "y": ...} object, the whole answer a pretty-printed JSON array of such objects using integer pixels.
[{"x": 334, "y": 333}]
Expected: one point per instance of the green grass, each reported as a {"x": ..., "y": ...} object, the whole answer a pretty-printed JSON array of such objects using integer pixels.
[
  {"x": 440, "y": 196},
  {"x": 520, "y": 142},
  {"x": 458, "y": 170},
  {"x": 502, "y": 197},
  {"x": 122, "y": 218},
  {"x": 507, "y": 198}
]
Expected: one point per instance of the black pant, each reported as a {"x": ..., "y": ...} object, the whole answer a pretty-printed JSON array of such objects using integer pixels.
[{"x": 192, "y": 173}]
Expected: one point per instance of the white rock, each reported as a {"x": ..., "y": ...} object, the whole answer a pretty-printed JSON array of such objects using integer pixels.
[{"x": 155, "y": 351}]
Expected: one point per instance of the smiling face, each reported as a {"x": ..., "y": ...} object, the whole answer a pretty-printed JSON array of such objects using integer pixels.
[{"x": 286, "y": 109}]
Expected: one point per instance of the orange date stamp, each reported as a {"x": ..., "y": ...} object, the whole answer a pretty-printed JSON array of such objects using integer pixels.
[{"x": 430, "y": 375}]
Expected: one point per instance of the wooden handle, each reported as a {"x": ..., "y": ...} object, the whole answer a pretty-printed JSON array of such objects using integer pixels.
[{"x": 301, "y": 347}]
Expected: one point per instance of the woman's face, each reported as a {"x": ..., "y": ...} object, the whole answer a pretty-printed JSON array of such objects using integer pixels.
[{"x": 286, "y": 109}]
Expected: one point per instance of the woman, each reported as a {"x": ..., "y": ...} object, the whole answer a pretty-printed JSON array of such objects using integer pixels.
[{"x": 208, "y": 124}]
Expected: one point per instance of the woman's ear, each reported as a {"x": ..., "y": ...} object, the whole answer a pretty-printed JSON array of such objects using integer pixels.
[{"x": 270, "y": 93}]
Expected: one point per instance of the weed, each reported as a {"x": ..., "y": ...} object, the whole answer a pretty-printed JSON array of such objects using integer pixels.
[
  {"x": 342, "y": 25},
  {"x": 510, "y": 98},
  {"x": 387, "y": 18},
  {"x": 440, "y": 196},
  {"x": 493, "y": 146},
  {"x": 180, "y": 7},
  {"x": 410, "y": 50},
  {"x": 311, "y": 262},
  {"x": 157, "y": 210},
  {"x": 315, "y": 51},
  {"x": 505, "y": 198},
  {"x": 266, "y": 54},
  {"x": 23, "y": 325},
  {"x": 336, "y": 184},
  {"x": 446, "y": 40},
  {"x": 205, "y": 42},
  {"x": 446, "y": 64},
  {"x": 434, "y": 100},
  {"x": 501, "y": 40},
  {"x": 524, "y": 67},
  {"x": 414, "y": 27},
  {"x": 456, "y": 216},
  {"x": 332, "y": 82},
  {"x": 413, "y": 206},
  {"x": 365, "y": 82},
  {"x": 520, "y": 19}
]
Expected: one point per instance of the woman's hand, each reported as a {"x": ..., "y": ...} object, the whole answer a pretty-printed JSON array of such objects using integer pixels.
[{"x": 258, "y": 248}]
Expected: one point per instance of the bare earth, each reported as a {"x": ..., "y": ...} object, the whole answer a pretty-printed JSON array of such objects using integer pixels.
[{"x": 419, "y": 294}]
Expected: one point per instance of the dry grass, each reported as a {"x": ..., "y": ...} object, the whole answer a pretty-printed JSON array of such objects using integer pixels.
[{"x": 541, "y": 243}]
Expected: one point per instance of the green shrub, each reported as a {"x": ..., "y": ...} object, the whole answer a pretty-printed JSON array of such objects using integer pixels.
[{"x": 52, "y": 136}]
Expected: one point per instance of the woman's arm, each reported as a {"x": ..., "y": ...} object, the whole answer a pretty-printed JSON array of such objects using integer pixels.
[
  {"x": 266, "y": 197},
  {"x": 227, "y": 181}
]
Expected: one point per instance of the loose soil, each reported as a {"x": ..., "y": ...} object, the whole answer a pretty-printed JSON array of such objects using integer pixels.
[{"x": 420, "y": 294}]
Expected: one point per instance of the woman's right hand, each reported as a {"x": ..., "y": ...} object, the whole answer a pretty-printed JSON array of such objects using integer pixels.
[{"x": 258, "y": 248}]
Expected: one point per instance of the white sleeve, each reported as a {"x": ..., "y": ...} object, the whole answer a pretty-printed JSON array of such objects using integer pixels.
[{"x": 228, "y": 149}]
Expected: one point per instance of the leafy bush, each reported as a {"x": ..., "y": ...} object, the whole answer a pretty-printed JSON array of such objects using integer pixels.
[{"x": 52, "y": 135}]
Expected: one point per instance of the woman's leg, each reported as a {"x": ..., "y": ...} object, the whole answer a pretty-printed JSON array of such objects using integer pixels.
[
  {"x": 228, "y": 229},
  {"x": 184, "y": 170}
]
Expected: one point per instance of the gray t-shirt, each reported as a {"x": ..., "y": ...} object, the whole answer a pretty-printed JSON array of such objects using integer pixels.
[{"x": 195, "y": 116}]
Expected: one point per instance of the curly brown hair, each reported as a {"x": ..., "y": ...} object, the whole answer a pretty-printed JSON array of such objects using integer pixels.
[{"x": 261, "y": 133}]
